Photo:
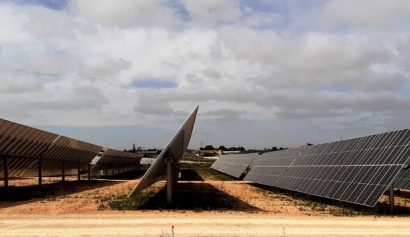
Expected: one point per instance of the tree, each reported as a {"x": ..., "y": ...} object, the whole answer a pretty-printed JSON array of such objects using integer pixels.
[
  {"x": 274, "y": 148},
  {"x": 209, "y": 147},
  {"x": 133, "y": 148},
  {"x": 222, "y": 148}
]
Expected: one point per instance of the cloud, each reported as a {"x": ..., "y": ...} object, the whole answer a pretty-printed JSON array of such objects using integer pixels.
[
  {"x": 290, "y": 68},
  {"x": 103, "y": 67},
  {"x": 367, "y": 13},
  {"x": 224, "y": 114},
  {"x": 261, "y": 19},
  {"x": 127, "y": 13},
  {"x": 212, "y": 73},
  {"x": 19, "y": 84},
  {"x": 211, "y": 12}
]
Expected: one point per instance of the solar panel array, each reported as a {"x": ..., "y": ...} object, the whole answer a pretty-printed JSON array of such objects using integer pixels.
[
  {"x": 403, "y": 182},
  {"x": 117, "y": 159},
  {"x": 233, "y": 164},
  {"x": 356, "y": 170},
  {"x": 24, "y": 146}
]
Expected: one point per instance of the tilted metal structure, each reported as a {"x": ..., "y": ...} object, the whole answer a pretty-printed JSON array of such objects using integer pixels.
[
  {"x": 115, "y": 159},
  {"x": 357, "y": 170},
  {"x": 173, "y": 151},
  {"x": 234, "y": 164}
]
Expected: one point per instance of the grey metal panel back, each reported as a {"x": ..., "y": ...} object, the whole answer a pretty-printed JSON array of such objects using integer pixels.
[
  {"x": 117, "y": 159},
  {"x": 69, "y": 149},
  {"x": 175, "y": 148}
]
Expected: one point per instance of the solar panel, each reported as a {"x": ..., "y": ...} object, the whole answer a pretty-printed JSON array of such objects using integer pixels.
[
  {"x": 117, "y": 159},
  {"x": 23, "y": 145},
  {"x": 175, "y": 148},
  {"x": 233, "y": 164},
  {"x": 403, "y": 181},
  {"x": 355, "y": 170}
]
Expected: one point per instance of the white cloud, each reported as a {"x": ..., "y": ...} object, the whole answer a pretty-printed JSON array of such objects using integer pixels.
[
  {"x": 103, "y": 67},
  {"x": 211, "y": 12},
  {"x": 367, "y": 13},
  {"x": 127, "y": 13},
  {"x": 259, "y": 19},
  {"x": 269, "y": 70}
]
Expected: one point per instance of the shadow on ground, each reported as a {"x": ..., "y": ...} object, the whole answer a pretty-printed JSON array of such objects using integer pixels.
[
  {"x": 189, "y": 196},
  {"x": 17, "y": 195},
  {"x": 135, "y": 174},
  {"x": 190, "y": 175},
  {"x": 340, "y": 208}
]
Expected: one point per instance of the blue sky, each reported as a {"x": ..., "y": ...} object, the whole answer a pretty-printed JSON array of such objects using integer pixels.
[{"x": 264, "y": 72}]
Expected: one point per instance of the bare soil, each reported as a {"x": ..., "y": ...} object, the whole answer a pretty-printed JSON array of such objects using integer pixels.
[{"x": 81, "y": 209}]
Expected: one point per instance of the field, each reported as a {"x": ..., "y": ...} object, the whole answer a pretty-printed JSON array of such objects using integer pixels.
[{"x": 209, "y": 204}]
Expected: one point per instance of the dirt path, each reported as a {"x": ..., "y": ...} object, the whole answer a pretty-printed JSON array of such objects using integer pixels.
[
  {"x": 77, "y": 214},
  {"x": 199, "y": 224}
]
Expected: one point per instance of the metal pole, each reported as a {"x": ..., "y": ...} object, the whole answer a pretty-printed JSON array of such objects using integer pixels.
[
  {"x": 40, "y": 172},
  {"x": 170, "y": 181},
  {"x": 89, "y": 172},
  {"x": 391, "y": 198},
  {"x": 176, "y": 172},
  {"x": 62, "y": 173},
  {"x": 6, "y": 174},
  {"x": 78, "y": 170}
]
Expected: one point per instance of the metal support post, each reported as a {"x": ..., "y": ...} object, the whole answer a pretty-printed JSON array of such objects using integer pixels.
[
  {"x": 78, "y": 170},
  {"x": 170, "y": 181},
  {"x": 40, "y": 172},
  {"x": 176, "y": 173},
  {"x": 89, "y": 171},
  {"x": 391, "y": 198},
  {"x": 6, "y": 174},
  {"x": 62, "y": 173}
]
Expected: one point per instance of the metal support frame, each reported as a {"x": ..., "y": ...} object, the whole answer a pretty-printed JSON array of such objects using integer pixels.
[
  {"x": 63, "y": 172},
  {"x": 170, "y": 180},
  {"x": 391, "y": 198},
  {"x": 176, "y": 173},
  {"x": 6, "y": 174},
  {"x": 78, "y": 170},
  {"x": 40, "y": 171},
  {"x": 89, "y": 171}
]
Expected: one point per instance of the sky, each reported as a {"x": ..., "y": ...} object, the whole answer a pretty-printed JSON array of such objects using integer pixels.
[{"x": 264, "y": 72}]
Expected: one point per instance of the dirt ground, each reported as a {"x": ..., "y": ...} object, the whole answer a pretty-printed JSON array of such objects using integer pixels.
[{"x": 80, "y": 212}]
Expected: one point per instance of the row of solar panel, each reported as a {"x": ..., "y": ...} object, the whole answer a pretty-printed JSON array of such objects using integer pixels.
[
  {"x": 356, "y": 170},
  {"x": 24, "y": 146},
  {"x": 117, "y": 159},
  {"x": 233, "y": 164}
]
